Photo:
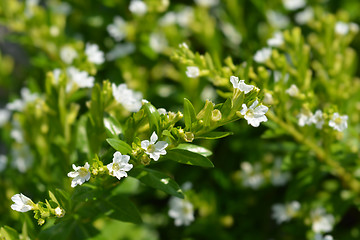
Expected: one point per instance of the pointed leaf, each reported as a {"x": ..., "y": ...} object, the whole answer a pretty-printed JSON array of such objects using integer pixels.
[
  {"x": 120, "y": 208},
  {"x": 189, "y": 114},
  {"x": 153, "y": 116},
  {"x": 157, "y": 180},
  {"x": 119, "y": 145},
  {"x": 187, "y": 157},
  {"x": 214, "y": 135},
  {"x": 195, "y": 148}
]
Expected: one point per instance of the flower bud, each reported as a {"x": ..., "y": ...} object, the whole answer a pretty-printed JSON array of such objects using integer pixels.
[
  {"x": 216, "y": 115},
  {"x": 189, "y": 137}
]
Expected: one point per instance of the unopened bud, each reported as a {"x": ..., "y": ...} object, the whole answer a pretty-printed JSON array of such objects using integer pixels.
[
  {"x": 189, "y": 136},
  {"x": 216, "y": 115}
]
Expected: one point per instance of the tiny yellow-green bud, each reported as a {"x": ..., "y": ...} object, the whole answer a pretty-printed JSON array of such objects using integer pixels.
[
  {"x": 216, "y": 115},
  {"x": 189, "y": 136},
  {"x": 41, "y": 221},
  {"x": 145, "y": 160}
]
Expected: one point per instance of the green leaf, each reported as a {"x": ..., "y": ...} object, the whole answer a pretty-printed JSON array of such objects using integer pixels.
[
  {"x": 112, "y": 126},
  {"x": 187, "y": 157},
  {"x": 53, "y": 198},
  {"x": 207, "y": 113},
  {"x": 158, "y": 180},
  {"x": 153, "y": 116},
  {"x": 120, "y": 208},
  {"x": 226, "y": 108},
  {"x": 61, "y": 231},
  {"x": 9, "y": 233},
  {"x": 189, "y": 114},
  {"x": 119, "y": 145},
  {"x": 214, "y": 135},
  {"x": 195, "y": 149}
]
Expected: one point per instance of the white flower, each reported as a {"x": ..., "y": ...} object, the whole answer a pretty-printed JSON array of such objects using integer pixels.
[
  {"x": 251, "y": 175},
  {"x": 207, "y": 3},
  {"x": 293, "y": 90},
  {"x": 342, "y": 28},
  {"x": 278, "y": 76},
  {"x": 318, "y": 119},
  {"x": 354, "y": 27},
  {"x": 285, "y": 212},
  {"x": 162, "y": 111},
  {"x": 119, "y": 166},
  {"x": 305, "y": 118},
  {"x": 26, "y": 97},
  {"x": 277, "y": 20},
  {"x": 138, "y": 7},
  {"x": 117, "y": 29},
  {"x": 208, "y": 93},
  {"x": 80, "y": 175},
  {"x": 268, "y": 99},
  {"x": 321, "y": 222},
  {"x": 154, "y": 149},
  {"x": 16, "y": 132},
  {"x": 54, "y": 31},
  {"x": 192, "y": 72},
  {"x": 185, "y": 17},
  {"x": 262, "y": 55},
  {"x": 276, "y": 41},
  {"x": 56, "y": 73},
  {"x": 338, "y": 122},
  {"x": 158, "y": 42},
  {"x": 68, "y": 54},
  {"x": 120, "y": 50},
  {"x": 182, "y": 211},
  {"x": 279, "y": 177},
  {"x": 168, "y": 19},
  {"x": 231, "y": 33},
  {"x": 131, "y": 100},
  {"x": 254, "y": 114},
  {"x": 241, "y": 85},
  {"x": 3, "y": 162},
  {"x": 318, "y": 236},
  {"x": 304, "y": 16},
  {"x": 79, "y": 78},
  {"x": 22, "y": 203},
  {"x": 22, "y": 158},
  {"x": 293, "y": 4},
  {"x": 5, "y": 115},
  {"x": 93, "y": 53},
  {"x": 59, "y": 212}
]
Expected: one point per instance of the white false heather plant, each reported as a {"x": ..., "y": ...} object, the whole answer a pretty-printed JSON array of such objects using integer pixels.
[
  {"x": 22, "y": 203},
  {"x": 338, "y": 122},
  {"x": 255, "y": 114},
  {"x": 285, "y": 212},
  {"x": 154, "y": 148},
  {"x": 182, "y": 211},
  {"x": 129, "y": 99},
  {"x": 94, "y": 54},
  {"x": 80, "y": 174},
  {"x": 241, "y": 85},
  {"x": 119, "y": 166}
]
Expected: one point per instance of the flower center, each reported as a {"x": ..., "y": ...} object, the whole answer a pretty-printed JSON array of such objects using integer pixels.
[
  {"x": 338, "y": 121},
  {"x": 151, "y": 148},
  {"x": 83, "y": 172},
  {"x": 250, "y": 113},
  {"x": 115, "y": 167}
]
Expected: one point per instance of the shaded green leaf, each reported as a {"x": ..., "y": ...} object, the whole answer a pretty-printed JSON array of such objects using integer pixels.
[
  {"x": 187, "y": 157},
  {"x": 195, "y": 148},
  {"x": 214, "y": 135},
  {"x": 189, "y": 114},
  {"x": 7, "y": 232},
  {"x": 119, "y": 145},
  {"x": 158, "y": 180}
]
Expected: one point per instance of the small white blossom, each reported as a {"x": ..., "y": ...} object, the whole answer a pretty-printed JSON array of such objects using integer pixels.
[
  {"x": 94, "y": 54},
  {"x": 21, "y": 156},
  {"x": 68, "y": 54},
  {"x": 285, "y": 212},
  {"x": 321, "y": 221},
  {"x": 251, "y": 175},
  {"x": 5, "y": 115},
  {"x": 54, "y": 31},
  {"x": 278, "y": 76},
  {"x": 138, "y": 7},
  {"x": 168, "y": 19},
  {"x": 17, "y": 132},
  {"x": 342, "y": 28},
  {"x": 255, "y": 114},
  {"x": 129, "y": 99},
  {"x": 207, "y": 3},
  {"x": 318, "y": 119},
  {"x": 26, "y": 97},
  {"x": 56, "y": 73},
  {"x": 119, "y": 166},
  {"x": 262, "y": 55},
  {"x": 268, "y": 99},
  {"x": 158, "y": 42},
  {"x": 120, "y": 51},
  {"x": 276, "y": 41},
  {"x": 22, "y": 203},
  {"x": 338, "y": 122},
  {"x": 354, "y": 27},
  {"x": 305, "y": 118},
  {"x": 3, "y": 162},
  {"x": 59, "y": 212},
  {"x": 192, "y": 72},
  {"x": 117, "y": 29},
  {"x": 153, "y": 148},
  {"x": 185, "y": 17},
  {"x": 279, "y": 177},
  {"x": 318, "y": 236},
  {"x": 304, "y": 16},
  {"x": 162, "y": 111},
  {"x": 241, "y": 85},
  {"x": 182, "y": 211},
  {"x": 293, "y": 91},
  {"x": 79, "y": 78},
  {"x": 277, "y": 20},
  {"x": 80, "y": 175},
  {"x": 294, "y": 4},
  {"x": 231, "y": 33}
]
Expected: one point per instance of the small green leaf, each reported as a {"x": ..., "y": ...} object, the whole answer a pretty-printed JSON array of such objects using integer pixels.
[
  {"x": 53, "y": 198},
  {"x": 153, "y": 116},
  {"x": 195, "y": 149},
  {"x": 226, "y": 108},
  {"x": 187, "y": 157},
  {"x": 207, "y": 113},
  {"x": 112, "y": 126},
  {"x": 7, "y": 232},
  {"x": 120, "y": 208},
  {"x": 157, "y": 180},
  {"x": 119, "y": 145},
  {"x": 189, "y": 114},
  {"x": 214, "y": 135}
]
